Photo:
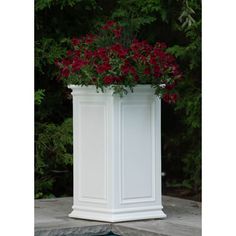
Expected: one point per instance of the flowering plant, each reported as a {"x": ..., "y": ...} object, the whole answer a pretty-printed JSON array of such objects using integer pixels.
[{"x": 104, "y": 59}]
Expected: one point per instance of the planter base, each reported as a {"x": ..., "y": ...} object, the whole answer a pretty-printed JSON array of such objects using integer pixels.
[{"x": 118, "y": 215}]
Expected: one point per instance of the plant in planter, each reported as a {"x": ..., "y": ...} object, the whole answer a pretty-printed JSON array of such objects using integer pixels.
[
  {"x": 117, "y": 132},
  {"x": 105, "y": 60}
]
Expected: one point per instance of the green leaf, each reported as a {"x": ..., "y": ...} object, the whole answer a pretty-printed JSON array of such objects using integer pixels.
[{"x": 39, "y": 96}]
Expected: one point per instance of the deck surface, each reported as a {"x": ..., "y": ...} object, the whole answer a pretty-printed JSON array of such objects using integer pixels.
[{"x": 183, "y": 219}]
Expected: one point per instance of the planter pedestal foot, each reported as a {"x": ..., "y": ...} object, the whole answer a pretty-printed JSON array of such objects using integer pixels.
[{"x": 118, "y": 216}]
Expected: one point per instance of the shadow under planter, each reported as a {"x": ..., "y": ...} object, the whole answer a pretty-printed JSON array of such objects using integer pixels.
[{"x": 117, "y": 154}]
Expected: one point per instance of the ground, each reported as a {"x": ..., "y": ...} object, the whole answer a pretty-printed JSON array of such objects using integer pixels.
[{"x": 183, "y": 219}]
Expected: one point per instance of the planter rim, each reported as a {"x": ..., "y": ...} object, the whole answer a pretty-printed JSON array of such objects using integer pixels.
[{"x": 91, "y": 89}]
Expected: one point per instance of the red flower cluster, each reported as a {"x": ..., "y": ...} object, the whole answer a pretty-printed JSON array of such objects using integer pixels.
[
  {"x": 103, "y": 68},
  {"x": 108, "y": 25},
  {"x": 113, "y": 27},
  {"x": 170, "y": 98},
  {"x": 114, "y": 63},
  {"x": 127, "y": 69},
  {"x": 77, "y": 64},
  {"x": 75, "y": 41},
  {"x": 110, "y": 79},
  {"x": 117, "y": 32},
  {"x": 120, "y": 50}
]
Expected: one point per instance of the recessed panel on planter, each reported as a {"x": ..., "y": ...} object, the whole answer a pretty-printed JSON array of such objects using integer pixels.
[
  {"x": 93, "y": 152},
  {"x": 136, "y": 152}
]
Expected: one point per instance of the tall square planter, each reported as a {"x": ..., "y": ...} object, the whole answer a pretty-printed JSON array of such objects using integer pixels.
[{"x": 117, "y": 154}]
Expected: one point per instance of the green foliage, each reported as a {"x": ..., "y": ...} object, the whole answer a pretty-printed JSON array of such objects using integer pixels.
[
  {"x": 192, "y": 169},
  {"x": 190, "y": 105},
  {"x": 186, "y": 17},
  {"x": 47, "y": 50},
  {"x": 176, "y": 22},
  {"x": 53, "y": 152},
  {"x": 38, "y": 96},
  {"x": 136, "y": 13},
  {"x": 42, "y": 4},
  {"x": 190, "y": 53},
  {"x": 55, "y": 23}
]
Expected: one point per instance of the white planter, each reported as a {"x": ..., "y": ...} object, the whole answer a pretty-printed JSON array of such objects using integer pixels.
[{"x": 117, "y": 154}]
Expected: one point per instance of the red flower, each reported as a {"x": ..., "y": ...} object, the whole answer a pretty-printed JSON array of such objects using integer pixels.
[
  {"x": 173, "y": 97},
  {"x": 176, "y": 71},
  {"x": 127, "y": 68},
  {"x": 108, "y": 79},
  {"x": 132, "y": 70},
  {"x": 88, "y": 54},
  {"x": 135, "y": 45},
  {"x": 141, "y": 47},
  {"x": 116, "y": 47},
  {"x": 156, "y": 52},
  {"x": 157, "y": 71},
  {"x": 166, "y": 97},
  {"x": 65, "y": 72},
  {"x": 117, "y": 32},
  {"x": 153, "y": 60},
  {"x": 160, "y": 45},
  {"x": 69, "y": 53},
  {"x": 66, "y": 62},
  {"x": 147, "y": 71},
  {"x": 57, "y": 63},
  {"x": 136, "y": 56},
  {"x": 78, "y": 64},
  {"x": 105, "y": 27},
  {"x": 143, "y": 59},
  {"x": 89, "y": 38},
  {"x": 102, "y": 54},
  {"x": 77, "y": 53},
  {"x": 118, "y": 79},
  {"x": 170, "y": 58},
  {"x": 170, "y": 98},
  {"x": 139, "y": 57},
  {"x": 75, "y": 41},
  {"x": 170, "y": 86},
  {"x": 110, "y": 22},
  {"x": 136, "y": 78},
  {"x": 122, "y": 52},
  {"x": 108, "y": 25},
  {"x": 102, "y": 68}
]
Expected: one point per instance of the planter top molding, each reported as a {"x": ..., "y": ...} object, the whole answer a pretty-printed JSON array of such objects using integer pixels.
[{"x": 141, "y": 89}]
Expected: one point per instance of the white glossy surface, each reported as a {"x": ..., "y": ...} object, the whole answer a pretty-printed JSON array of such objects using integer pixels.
[{"x": 117, "y": 156}]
